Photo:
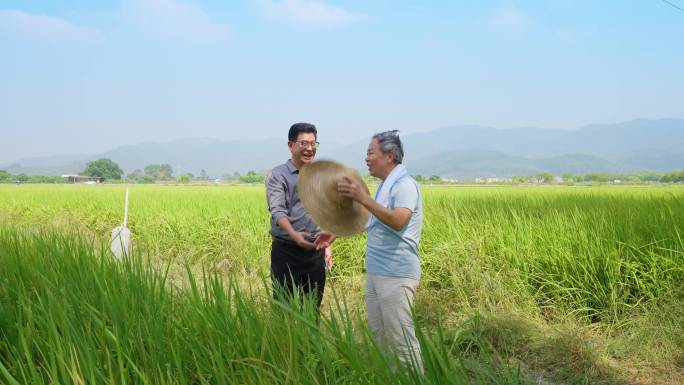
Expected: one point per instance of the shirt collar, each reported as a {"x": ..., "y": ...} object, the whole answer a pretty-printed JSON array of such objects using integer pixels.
[{"x": 291, "y": 167}]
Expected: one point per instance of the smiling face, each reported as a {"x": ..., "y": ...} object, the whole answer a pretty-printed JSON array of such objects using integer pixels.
[
  {"x": 379, "y": 164},
  {"x": 303, "y": 154}
]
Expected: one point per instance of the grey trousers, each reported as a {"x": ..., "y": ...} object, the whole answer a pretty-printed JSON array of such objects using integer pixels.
[{"x": 389, "y": 301}]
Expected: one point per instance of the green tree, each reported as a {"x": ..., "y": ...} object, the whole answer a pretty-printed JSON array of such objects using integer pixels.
[
  {"x": 252, "y": 177},
  {"x": 159, "y": 171},
  {"x": 136, "y": 175},
  {"x": 41, "y": 179},
  {"x": 185, "y": 178},
  {"x": 435, "y": 178},
  {"x": 674, "y": 176},
  {"x": 568, "y": 178},
  {"x": 103, "y": 168},
  {"x": 518, "y": 179},
  {"x": 5, "y": 176},
  {"x": 545, "y": 177},
  {"x": 419, "y": 178},
  {"x": 649, "y": 176},
  {"x": 679, "y": 177},
  {"x": 203, "y": 175},
  {"x": 22, "y": 178},
  {"x": 597, "y": 177}
]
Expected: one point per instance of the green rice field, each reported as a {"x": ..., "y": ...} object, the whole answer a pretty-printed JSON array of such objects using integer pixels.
[{"x": 520, "y": 285}]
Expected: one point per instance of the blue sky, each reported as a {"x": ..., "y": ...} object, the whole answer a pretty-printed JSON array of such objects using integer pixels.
[{"x": 86, "y": 76}]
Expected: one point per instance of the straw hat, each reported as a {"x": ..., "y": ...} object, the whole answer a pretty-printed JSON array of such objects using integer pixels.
[{"x": 317, "y": 186}]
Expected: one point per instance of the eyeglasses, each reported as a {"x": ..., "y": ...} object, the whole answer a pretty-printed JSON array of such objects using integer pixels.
[{"x": 306, "y": 143}]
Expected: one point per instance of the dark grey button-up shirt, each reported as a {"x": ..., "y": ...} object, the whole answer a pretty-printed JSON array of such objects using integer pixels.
[{"x": 283, "y": 201}]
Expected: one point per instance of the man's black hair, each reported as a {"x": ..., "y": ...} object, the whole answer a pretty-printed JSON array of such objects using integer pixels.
[{"x": 298, "y": 128}]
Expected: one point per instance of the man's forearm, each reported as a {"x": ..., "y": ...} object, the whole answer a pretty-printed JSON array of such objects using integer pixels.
[
  {"x": 285, "y": 224},
  {"x": 394, "y": 218}
]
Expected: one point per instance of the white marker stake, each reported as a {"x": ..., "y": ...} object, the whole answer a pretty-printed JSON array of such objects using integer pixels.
[{"x": 121, "y": 236}]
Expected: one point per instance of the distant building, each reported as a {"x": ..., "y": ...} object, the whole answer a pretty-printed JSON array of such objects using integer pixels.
[
  {"x": 83, "y": 179},
  {"x": 499, "y": 180}
]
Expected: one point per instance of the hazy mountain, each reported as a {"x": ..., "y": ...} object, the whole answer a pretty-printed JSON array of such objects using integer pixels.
[
  {"x": 185, "y": 155},
  {"x": 470, "y": 164},
  {"x": 193, "y": 155},
  {"x": 25, "y": 166},
  {"x": 461, "y": 152},
  {"x": 616, "y": 141}
]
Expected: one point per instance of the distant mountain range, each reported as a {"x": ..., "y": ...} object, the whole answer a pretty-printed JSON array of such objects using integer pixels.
[{"x": 454, "y": 152}]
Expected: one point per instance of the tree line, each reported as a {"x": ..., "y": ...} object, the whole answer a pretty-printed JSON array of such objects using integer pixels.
[
  {"x": 152, "y": 173},
  {"x": 6, "y": 177},
  {"x": 604, "y": 177}
]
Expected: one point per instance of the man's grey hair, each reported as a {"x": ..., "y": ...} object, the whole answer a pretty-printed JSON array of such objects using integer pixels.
[{"x": 389, "y": 142}]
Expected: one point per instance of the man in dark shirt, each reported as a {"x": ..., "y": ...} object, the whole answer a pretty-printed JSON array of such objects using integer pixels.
[{"x": 296, "y": 264}]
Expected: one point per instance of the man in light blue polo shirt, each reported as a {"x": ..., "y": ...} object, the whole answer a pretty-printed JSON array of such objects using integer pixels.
[{"x": 392, "y": 261}]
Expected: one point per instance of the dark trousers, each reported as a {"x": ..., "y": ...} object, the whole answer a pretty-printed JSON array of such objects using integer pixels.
[{"x": 294, "y": 268}]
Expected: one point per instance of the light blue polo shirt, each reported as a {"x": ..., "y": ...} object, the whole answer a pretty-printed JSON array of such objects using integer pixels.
[{"x": 394, "y": 253}]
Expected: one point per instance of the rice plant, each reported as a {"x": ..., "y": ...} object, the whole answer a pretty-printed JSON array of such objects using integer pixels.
[
  {"x": 608, "y": 259},
  {"x": 70, "y": 315}
]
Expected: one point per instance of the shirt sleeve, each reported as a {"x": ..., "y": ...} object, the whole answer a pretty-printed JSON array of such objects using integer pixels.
[
  {"x": 276, "y": 189},
  {"x": 405, "y": 195}
]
